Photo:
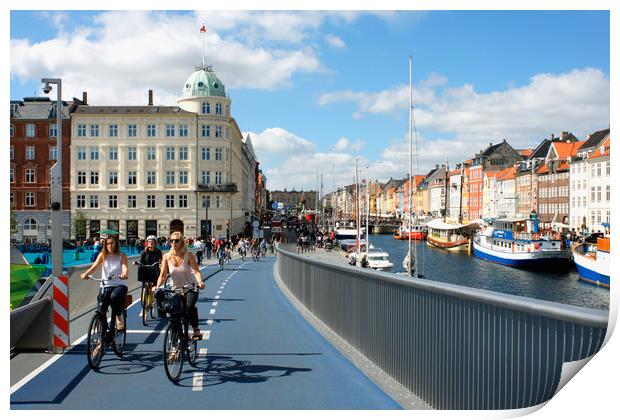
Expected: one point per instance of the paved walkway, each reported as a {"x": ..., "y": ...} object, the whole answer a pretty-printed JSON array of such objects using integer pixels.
[{"x": 258, "y": 353}]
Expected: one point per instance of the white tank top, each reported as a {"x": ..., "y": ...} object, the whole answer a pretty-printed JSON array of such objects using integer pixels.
[
  {"x": 112, "y": 265},
  {"x": 182, "y": 275}
]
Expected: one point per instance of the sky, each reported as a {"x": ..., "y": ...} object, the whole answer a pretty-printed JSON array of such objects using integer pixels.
[{"x": 314, "y": 90}]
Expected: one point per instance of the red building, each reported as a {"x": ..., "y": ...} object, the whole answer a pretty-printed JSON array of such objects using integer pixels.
[{"x": 33, "y": 151}]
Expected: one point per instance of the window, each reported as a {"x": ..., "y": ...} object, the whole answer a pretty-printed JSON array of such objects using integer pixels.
[
  {"x": 218, "y": 177},
  {"x": 218, "y": 154},
  {"x": 94, "y": 178},
  {"x": 598, "y": 217},
  {"x": 132, "y": 178},
  {"x": 81, "y": 177},
  {"x": 94, "y": 153},
  {"x": 81, "y": 153},
  {"x": 93, "y": 202},
  {"x": 53, "y": 131},
  {"x": 169, "y": 201},
  {"x": 132, "y": 130},
  {"x": 169, "y": 153},
  {"x": 598, "y": 169},
  {"x": 218, "y": 109},
  {"x": 150, "y": 201},
  {"x": 205, "y": 153},
  {"x": 183, "y": 201},
  {"x": 206, "y": 201},
  {"x": 131, "y": 153},
  {"x": 169, "y": 177},
  {"x": 227, "y": 132},
  {"x": 183, "y": 130},
  {"x": 572, "y": 202},
  {"x": 206, "y": 108},
  {"x": 608, "y": 193},
  {"x": 151, "y": 153},
  {"x": 608, "y": 219},
  {"x": 30, "y": 153},
  {"x": 113, "y": 201},
  {"x": 131, "y": 201},
  {"x": 94, "y": 130},
  {"x": 607, "y": 168},
  {"x": 218, "y": 201},
  {"x": 113, "y": 130},
  {"x": 53, "y": 152},
  {"x": 205, "y": 177},
  {"x": 218, "y": 131},
  {"x": 183, "y": 177},
  {"x": 12, "y": 130},
  {"x": 206, "y": 131},
  {"x": 12, "y": 175},
  {"x": 113, "y": 178},
  {"x": 169, "y": 130},
  {"x": 592, "y": 171},
  {"x": 150, "y": 130},
  {"x": 592, "y": 194},
  {"x": 150, "y": 177},
  {"x": 81, "y": 130},
  {"x": 113, "y": 153},
  {"x": 592, "y": 218},
  {"x": 183, "y": 153},
  {"x": 30, "y": 179},
  {"x": 12, "y": 153},
  {"x": 30, "y": 130},
  {"x": 598, "y": 193},
  {"x": 29, "y": 199}
]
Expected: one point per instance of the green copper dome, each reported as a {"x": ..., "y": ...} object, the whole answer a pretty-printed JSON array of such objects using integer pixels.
[{"x": 203, "y": 82}]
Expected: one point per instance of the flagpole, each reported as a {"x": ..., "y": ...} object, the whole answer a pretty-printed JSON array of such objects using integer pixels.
[{"x": 203, "y": 49}]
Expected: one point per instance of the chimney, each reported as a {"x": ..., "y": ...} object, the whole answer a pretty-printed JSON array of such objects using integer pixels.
[
  {"x": 150, "y": 97},
  {"x": 552, "y": 136},
  {"x": 563, "y": 135},
  {"x": 85, "y": 98},
  {"x": 490, "y": 144}
]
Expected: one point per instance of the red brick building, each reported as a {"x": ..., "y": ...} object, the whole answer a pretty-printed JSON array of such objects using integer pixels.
[{"x": 33, "y": 151}]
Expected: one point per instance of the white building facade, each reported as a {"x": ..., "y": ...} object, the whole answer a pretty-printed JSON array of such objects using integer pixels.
[
  {"x": 152, "y": 170},
  {"x": 578, "y": 194},
  {"x": 599, "y": 186}
]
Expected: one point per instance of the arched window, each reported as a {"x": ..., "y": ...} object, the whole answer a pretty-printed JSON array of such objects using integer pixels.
[
  {"x": 218, "y": 109},
  {"x": 30, "y": 227},
  {"x": 206, "y": 108}
]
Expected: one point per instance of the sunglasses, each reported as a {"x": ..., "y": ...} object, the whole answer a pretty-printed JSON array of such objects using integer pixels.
[
  {"x": 174, "y": 241},
  {"x": 109, "y": 243}
]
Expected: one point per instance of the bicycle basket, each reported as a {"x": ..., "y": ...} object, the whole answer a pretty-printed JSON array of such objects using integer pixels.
[
  {"x": 148, "y": 274},
  {"x": 169, "y": 303}
]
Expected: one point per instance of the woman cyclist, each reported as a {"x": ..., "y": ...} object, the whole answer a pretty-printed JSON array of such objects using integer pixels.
[
  {"x": 114, "y": 267},
  {"x": 150, "y": 256},
  {"x": 180, "y": 264}
]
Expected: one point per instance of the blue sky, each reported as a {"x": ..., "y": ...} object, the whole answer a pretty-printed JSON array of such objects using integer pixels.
[{"x": 314, "y": 88}]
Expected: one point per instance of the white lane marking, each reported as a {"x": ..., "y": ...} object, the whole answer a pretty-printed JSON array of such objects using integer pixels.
[
  {"x": 209, "y": 322},
  {"x": 202, "y": 352},
  {"x": 212, "y": 312},
  {"x": 217, "y": 296},
  {"x": 44, "y": 366},
  {"x": 145, "y": 332},
  {"x": 214, "y": 304},
  {"x": 197, "y": 382},
  {"x": 206, "y": 335}
]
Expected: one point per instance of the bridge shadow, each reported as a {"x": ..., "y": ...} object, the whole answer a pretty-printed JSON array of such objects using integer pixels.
[
  {"x": 217, "y": 320},
  {"x": 206, "y": 299},
  {"x": 221, "y": 369}
]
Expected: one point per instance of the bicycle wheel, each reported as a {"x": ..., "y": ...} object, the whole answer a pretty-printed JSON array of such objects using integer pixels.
[
  {"x": 173, "y": 352},
  {"x": 151, "y": 303},
  {"x": 94, "y": 342},
  {"x": 144, "y": 301},
  {"x": 192, "y": 351},
  {"x": 120, "y": 336}
]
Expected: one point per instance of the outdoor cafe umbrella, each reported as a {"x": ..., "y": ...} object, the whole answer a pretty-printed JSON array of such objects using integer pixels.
[{"x": 108, "y": 232}]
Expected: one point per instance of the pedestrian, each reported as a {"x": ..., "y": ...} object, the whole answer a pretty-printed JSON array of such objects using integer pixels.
[{"x": 199, "y": 246}]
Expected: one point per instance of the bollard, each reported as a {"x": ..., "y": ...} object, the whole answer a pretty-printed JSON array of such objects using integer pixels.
[{"x": 61, "y": 313}]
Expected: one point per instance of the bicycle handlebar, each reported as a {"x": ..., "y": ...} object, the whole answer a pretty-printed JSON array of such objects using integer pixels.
[{"x": 139, "y": 264}]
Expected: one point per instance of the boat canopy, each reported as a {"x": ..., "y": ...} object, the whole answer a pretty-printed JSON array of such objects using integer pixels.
[{"x": 441, "y": 225}]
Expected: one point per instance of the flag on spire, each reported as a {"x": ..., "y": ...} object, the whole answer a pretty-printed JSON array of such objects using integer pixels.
[{"x": 203, "y": 29}]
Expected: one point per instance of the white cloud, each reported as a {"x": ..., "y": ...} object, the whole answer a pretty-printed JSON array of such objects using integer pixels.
[
  {"x": 344, "y": 144},
  {"x": 335, "y": 42},
  {"x": 274, "y": 142},
  {"x": 125, "y": 53}
]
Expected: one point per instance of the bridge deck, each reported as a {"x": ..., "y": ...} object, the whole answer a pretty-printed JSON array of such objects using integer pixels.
[{"x": 258, "y": 353}]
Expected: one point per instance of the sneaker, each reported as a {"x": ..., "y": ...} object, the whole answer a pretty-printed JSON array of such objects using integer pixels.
[{"x": 141, "y": 313}]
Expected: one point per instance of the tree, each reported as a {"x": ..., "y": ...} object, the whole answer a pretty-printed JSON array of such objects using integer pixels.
[
  {"x": 13, "y": 222},
  {"x": 80, "y": 224}
]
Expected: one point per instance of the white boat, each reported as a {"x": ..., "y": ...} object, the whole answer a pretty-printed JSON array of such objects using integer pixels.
[
  {"x": 517, "y": 243},
  {"x": 347, "y": 238},
  {"x": 592, "y": 262},
  {"x": 377, "y": 259}
]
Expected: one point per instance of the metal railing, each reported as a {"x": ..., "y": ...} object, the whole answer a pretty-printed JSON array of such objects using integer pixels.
[{"x": 454, "y": 347}]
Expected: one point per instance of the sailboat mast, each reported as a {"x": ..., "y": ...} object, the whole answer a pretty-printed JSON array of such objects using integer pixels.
[
  {"x": 461, "y": 193},
  {"x": 357, "y": 207},
  {"x": 410, "y": 223},
  {"x": 445, "y": 196},
  {"x": 367, "y": 207}
]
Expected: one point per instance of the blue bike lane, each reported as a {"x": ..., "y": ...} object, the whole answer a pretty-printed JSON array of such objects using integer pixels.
[{"x": 257, "y": 353}]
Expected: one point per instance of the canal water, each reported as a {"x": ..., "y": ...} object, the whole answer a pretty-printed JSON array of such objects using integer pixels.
[{"x": 464, "y": 270}]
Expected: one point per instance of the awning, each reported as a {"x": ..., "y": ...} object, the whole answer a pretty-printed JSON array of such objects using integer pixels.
[{"x": 441, "y": 225}]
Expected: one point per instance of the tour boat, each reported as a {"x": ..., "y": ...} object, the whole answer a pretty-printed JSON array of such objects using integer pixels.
[
  {"x": 518, "y": 243},
  {"x": 592, "y": 262},
  {"x": 418, "y": 232},
  {"x": 347, "y": 237},
  {"x": 448, "y": 236}
]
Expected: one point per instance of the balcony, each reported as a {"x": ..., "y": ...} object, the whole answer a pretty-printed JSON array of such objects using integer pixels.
[{"x": 229, "y": 187}]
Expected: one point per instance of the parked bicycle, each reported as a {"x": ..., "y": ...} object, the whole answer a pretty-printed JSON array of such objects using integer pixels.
[
  {"x": 99, "y": 336},
  {"x": 147, "y": 275},
  {"x": 177, "y": 342}
]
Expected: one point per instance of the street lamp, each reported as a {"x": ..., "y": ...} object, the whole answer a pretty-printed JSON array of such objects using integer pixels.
[{"x": 56, "y": 180}]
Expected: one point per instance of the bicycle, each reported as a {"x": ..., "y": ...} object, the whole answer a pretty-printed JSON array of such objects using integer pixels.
[
  {"x": 221, "y": 260},
  {"x": 147, "y": 275},
  {"x": 176, "y": 338},
  {"x": 99, "y": 337}
]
